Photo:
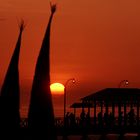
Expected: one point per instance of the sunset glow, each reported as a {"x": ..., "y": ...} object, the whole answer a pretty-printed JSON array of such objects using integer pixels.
[
  {"x": 57, "y": 88},
  {"x": 96, "y": 42}
]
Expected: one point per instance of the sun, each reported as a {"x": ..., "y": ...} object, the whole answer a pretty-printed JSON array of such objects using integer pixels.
[{"x": 57, "y": 88}]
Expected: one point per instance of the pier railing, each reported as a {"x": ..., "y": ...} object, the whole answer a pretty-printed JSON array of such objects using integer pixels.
[{"x": 92, "y": 126}]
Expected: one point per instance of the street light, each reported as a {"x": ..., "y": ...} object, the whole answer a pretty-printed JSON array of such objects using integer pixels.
[
  {"x": 125, "y": 82},
  {"x": 65, "y": 85}
]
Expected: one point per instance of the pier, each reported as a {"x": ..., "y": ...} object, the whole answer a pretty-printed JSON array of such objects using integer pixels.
[{"x": 117, "y": 113}]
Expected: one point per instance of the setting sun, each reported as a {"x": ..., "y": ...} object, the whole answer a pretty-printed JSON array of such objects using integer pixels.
[{"x": 57, "y": 88}]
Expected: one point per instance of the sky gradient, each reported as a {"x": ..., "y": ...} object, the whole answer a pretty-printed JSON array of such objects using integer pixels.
[{"x": 95, "y": 41}]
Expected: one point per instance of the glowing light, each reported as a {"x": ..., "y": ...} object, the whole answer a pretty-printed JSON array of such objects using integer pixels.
[{"x": 57, "y": 88}]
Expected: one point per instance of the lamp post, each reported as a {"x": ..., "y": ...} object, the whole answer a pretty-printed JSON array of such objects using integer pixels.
[
  {"x": 65, "y": 85},
  {"x": 125, "y": 82}
]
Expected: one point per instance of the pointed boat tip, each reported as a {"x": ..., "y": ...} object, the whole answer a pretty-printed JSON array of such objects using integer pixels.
[
  {"x": 21, "y": 25},
  {"x": 53, "y": 7}
]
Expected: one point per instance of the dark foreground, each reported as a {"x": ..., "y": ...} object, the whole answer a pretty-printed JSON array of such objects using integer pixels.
[{"x": 91, "y": 131}]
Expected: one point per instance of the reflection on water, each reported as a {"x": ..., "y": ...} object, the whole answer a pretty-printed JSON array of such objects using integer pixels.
[{"x": 99, "y": 137}]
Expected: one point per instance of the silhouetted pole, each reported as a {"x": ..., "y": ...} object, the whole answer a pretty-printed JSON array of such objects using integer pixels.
[
  {"x": 101, "y": 102},
  {"x": 10, "y": 116},
  {"x": 106, "y": 103},
  {"x": 119, "y": 113},
  {"x": 65, "y": 92},
  {"x": 107, "y": 107},
  {"x": 74, "y": 111},
  {"x": 113, "y": 110},
  {"x": 131, "y": 104},
  {"x": 138, "y": 113},
  {"x": 94, "y": 112},
  {"x": 125, "y": 115},
  {"x": 65, "y": 86},
  {"x": 89, "y": 110}
]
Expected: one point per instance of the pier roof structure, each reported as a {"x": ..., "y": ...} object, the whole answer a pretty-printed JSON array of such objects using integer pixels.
[
  {"x": 116, "y": 95},
  {"x": 81, "y": 105}
]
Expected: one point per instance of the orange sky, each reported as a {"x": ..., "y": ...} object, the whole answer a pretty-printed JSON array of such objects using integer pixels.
[{"x": 95, "y": 41}]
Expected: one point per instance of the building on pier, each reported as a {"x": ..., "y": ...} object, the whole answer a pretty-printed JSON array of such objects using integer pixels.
[{"x": 120, "y": 99}]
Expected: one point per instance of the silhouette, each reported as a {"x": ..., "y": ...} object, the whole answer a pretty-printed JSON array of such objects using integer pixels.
[
  {"x": 9, "y": 107},
  {"x": 82, "y": 118},
  {"x": 111, "y": 122},
  {"x": 120, "y": 118},
  {"x": 67, "y": 121},
  {"x": 88, "y": 120},
  {"x": 131, "y": 117},
  {"x": 111, "y": 119},
  {"x": 100, "y": 119},
  {"x": 106, "y": 119},
  {"x": 41, "y": 115},
  {"x": 72, "y": 120}
]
